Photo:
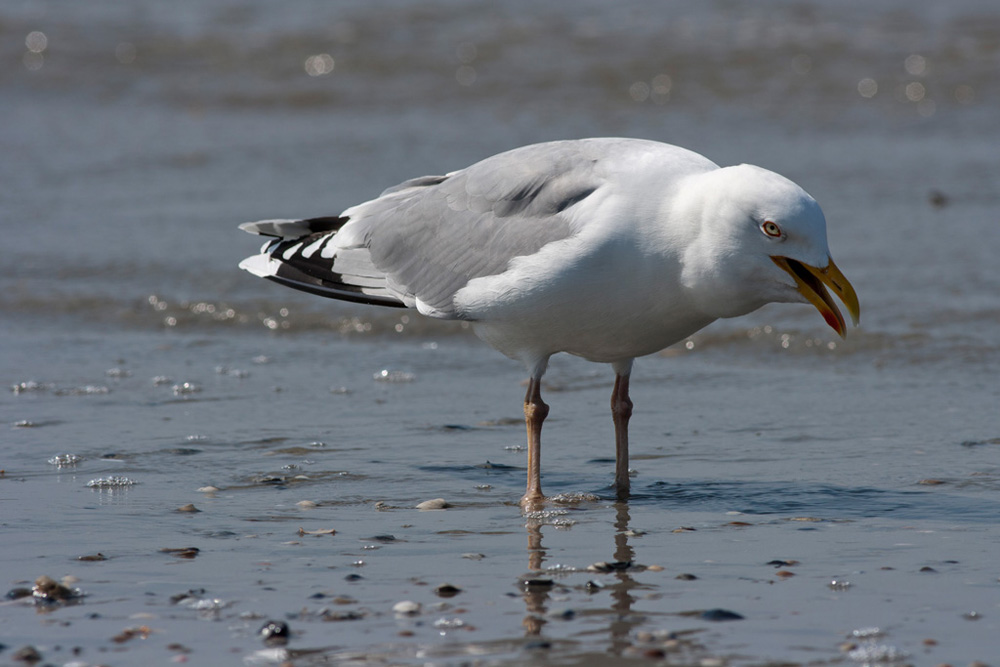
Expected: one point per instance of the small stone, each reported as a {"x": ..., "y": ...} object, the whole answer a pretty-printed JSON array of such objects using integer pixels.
[
  {"x": 208, "y": 489},
  {"x": 686, "y": 577},
  {"x": 188, "y": 596},
  {"x": 18, "y": 593},
  {"x": 782, "y": 563},
  {"x": 932, "y": 482},
  {"x": 349, "y": 615},
  {"x": 406, "y": 608},
  {"x": 720, "y": 615},
  {"x": 48, "y": 589},
  {"x": 275, "y": 633},
  {"x": 784, "y": 574},
  {"x": 930, "y": 642},
  {"x": 655, "y": 568},
  {"x": 306, "y": 504},
  {"x": 593, "y": 586},
  {"x": 318, "y": 531},
  {"x": 143, "y": 631},
  {"x": 181, "y": 552},
  {"x": 928, "y": 568},
  {"x": 435, "y": 504},
  {"x": 189, "y": 508},
  {"x": 447, "y": 591},
  {"x": 937, "y": 199},
  {"x": 474, "y": 556},
  {"x": 537, "y": 583},
  {"x": 92, "y": 558},
  {"x": 616, "y": 566},
  {"x": 972, "y": 616},
  {"x": 683, "y": 529},
  {"x": 28, "y": 654}
]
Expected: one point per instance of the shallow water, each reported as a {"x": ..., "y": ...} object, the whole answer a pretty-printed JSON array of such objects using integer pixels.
[{"x": 771, "y": 459}]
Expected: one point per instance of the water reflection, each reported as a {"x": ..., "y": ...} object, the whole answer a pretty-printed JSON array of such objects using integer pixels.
[
  {"x": 537, "y": 588},
  {"x": 621, "y": 592}
]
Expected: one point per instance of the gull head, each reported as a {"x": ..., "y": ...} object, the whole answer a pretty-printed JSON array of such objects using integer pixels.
[{"x": 756, "y": 237}]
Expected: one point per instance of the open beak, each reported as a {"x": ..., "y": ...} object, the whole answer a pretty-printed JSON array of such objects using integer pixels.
[{"x": 812, "y": 283}]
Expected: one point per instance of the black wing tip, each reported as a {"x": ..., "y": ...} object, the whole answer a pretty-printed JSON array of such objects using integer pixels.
[
  {"x": 294, "y": 228},
  {"x": 338, "y": 294}
]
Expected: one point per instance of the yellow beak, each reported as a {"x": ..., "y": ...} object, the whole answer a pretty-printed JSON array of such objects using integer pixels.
[{"x": 812, "y": 283}]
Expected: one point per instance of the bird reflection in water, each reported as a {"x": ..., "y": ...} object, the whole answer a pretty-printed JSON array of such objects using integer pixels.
[{"x": 537, "y": 588}]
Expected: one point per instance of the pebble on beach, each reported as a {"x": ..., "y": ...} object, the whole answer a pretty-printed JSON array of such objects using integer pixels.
[
  {"x": 181, "y": 552},
  {"x": 604, "y": 566},
  {"x": 47, "y": 589},
  {"x": 27, "y": 654},
  {"x": 406, "y": 608},
  {"x": 92, "y": 558},
  {"x": 447, "y": 591},
  {"x": 275, "y": 633},
  {"x": 435, "y": 504}
]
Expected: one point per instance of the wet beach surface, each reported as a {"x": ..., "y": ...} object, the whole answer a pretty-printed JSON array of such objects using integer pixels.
[{"x": 232, "y": 454}]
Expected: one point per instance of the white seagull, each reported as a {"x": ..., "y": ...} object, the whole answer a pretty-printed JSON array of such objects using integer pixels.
[{"x": 609, "y": 249}]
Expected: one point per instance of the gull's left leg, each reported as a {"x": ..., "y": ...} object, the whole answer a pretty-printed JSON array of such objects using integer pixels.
[{"x": 621, "y": 411}]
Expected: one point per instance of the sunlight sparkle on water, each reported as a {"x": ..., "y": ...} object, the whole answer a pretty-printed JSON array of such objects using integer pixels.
[
  {"x": 36, "y": 41},
  {"x": 319, "y": 65},
  {"x": 867, "y": 87},
  {"x": 915, "y": 64}
]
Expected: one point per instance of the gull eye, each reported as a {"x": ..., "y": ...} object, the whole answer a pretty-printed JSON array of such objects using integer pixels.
[{"x": 771, "y": 229}]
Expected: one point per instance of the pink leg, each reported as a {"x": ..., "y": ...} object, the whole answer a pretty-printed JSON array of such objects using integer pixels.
[
  {"x": 621, "y": 411},
  {"x": 535, "y": 411}
]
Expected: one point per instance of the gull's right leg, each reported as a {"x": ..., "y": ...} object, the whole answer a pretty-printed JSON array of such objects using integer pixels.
[{"x": 535, "y": 411}]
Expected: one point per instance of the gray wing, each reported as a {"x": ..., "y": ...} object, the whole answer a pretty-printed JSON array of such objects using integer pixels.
[{"x": 425, "y": 239}]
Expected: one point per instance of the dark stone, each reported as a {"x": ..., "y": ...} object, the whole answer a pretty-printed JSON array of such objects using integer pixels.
[{"x": 720, "y": 615}]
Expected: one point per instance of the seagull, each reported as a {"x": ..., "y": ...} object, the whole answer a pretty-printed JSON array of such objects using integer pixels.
[{"x": 606, "y": 248}]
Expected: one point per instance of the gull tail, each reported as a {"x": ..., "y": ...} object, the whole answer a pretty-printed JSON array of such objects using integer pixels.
[{"x": 305, "y": 255}]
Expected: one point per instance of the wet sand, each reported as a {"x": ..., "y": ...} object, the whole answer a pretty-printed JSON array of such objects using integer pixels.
[{"x": 832, "y": 540}]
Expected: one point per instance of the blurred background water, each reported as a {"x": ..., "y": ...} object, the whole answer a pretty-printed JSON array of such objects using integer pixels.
[{"x": 136, "y": 136}]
